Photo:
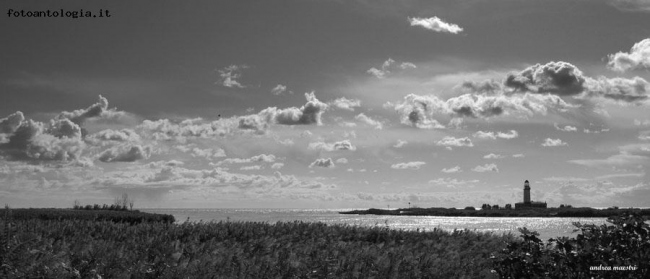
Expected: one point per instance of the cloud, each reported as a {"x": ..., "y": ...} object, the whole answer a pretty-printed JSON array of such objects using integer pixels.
[
  {"x": 59, "y": 140},
  {"x": 400, "y": 143},
  {"x": 451, "y": 182},
  {"x": 127, "y": 154},
  {"x": 250, "y": 168},
  {"x": 369, "y": 121},
  {"x": 493, "y": 156},
  {"x": 388, "y": 66},
  {"x": 486, "y": 168},
  {"x": 559, "y": 78},
  {"x": 279, "y": 89},
  {"x": 452, "y": 170},
  {"x": 435, "y": 24},
  {"x": 262, "y": 158},
  {"x": 345, "y": 104},
  {"x": 494, "y": 135},
  {"x": 421, "y": 111},
  {"x": 310, "y": 113},
  {"x": 230, "y": 74},
  {"x": 637, "y": 58},
  {"x": 549, "y": 142},
  {"x": 488, "y": 86},
  {"x": 631, "y": 5},
  {"x": 518, "y": 155},
  {"x": 619, "y": 89},
  {"x": 644, "y": 135},
  {"x": 409, "y": 165},
  {"x": 323, "y": 163},
  {"x": 108, "y": 135},
  {"x": 565, "y": 128},
  {"x": 97, "y": 110},
  {"x": 276, "y": 166},
  {"x": 632, "y": 155},
  {"x": 452, "y": 141},
  {"x": 208, "y": 153},
  {"x": 340, "y": 145}
]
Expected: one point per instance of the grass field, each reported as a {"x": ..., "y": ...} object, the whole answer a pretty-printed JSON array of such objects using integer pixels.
[{"x": 89, "y": 249}]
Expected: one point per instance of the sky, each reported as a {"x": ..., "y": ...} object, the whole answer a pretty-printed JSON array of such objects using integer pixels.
[{"x": 325, "y": 104}]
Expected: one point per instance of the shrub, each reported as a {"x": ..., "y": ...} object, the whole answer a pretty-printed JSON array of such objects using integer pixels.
[{"x": 626, "y": 243}]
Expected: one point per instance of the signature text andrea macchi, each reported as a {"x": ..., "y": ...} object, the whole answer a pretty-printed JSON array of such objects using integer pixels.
[{"x": 81, "y": 13}]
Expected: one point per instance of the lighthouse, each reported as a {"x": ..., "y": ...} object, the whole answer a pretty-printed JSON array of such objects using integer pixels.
[
  {"x": 526, "y": 192},
  {"x": 527, "y": 202}
]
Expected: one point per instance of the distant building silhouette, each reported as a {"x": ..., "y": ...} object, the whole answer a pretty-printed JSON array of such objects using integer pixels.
[{"x": 527, "y": 202}]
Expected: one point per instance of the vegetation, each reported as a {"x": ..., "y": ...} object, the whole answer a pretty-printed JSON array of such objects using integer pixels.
[
  {"x": 85, "y": 248},
  {"x": 621, "y": 250},
  {"x": 131, "y": 217},
  {"x": 495, "y": 211}
]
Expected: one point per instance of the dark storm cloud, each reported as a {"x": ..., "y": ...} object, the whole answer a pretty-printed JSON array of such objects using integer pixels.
[{"x": 559, "y": 78}]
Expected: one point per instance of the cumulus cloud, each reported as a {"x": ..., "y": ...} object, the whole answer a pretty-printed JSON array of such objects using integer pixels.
[
  {"x": 421, "y": 111},
  {"x": 484, "y": 87},
  {"x": 128, "y": 154},
  {"x": 108, "y": 135},
  {"x": 262, "y": 158},
  {"x": 518, "y": 155},
  {"x": 435, "y": 24},
  {"x": 276, "y": 166},
  {"x": 452, "y": 170},
  {"x": 566, "y": 128},
  {"x": 388, "y": 66},
  {"x": 494, "y": 135},
  {"x": 369, "y": 121},
  {"x": 631, "y": 5},
  {"x": 97, "y": 110},
  {"x": 59, "y": 140},
  {"x": 279, "y": 89},
  {"x": 549, "y": 142},
  {"x": 619, "y": 89},
  {"x": 323, "y": 163},
  {"x": 493, "y": 156},
  {"x": 339, "y": 145},
  {"x": 452, "y": 141},
  {"x": 230, "y": 74},
  {"x": 644, "y": 135},
  {"x": 559, "y": 78},
  {"x": 208, "y": 153},
  {"x": 400, "y": 143},
  {"x": 345, "y": 104},
  {"x": 310, "y": 113},
  {"x": 408, "y": 165},
  {"x": 637, "y": 58},
  {"x": 486, "y": 168}
]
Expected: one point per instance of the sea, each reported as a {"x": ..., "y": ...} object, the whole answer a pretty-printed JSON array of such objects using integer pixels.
[{"x": 547, "y": 227}]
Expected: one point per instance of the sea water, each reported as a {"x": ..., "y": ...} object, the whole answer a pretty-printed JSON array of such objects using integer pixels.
[{"x": 547, "y": 227}]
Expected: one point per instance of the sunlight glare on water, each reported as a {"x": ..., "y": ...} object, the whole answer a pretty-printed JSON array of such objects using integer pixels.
[{"x": 546, "y": 227}]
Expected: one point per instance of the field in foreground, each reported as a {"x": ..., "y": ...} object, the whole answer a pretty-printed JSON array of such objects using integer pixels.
[
  {"x": 78, "y": 246},
  {"x": 89, "y": 249}
]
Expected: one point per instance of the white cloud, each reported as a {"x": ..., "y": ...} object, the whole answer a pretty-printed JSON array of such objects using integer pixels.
[
  {"x": 632, "y": 155},
  {"x": 250, "y": 168},
  {"x": 644, "y": 135},
  {"x": 452, "y": 170},
  {"x": 345, "y": 104},
  {"x": 279, "y": 89},
  {"x": 339, "y": 145},
  {"x": 435, "y": 24},
  {"x": 631, "y": 5},
  {"x": 493, "y": 156},
  {"x": 452, "y": 141},
  {"x": 549, "y": 142},
  {"x": 262, "y": 158},
  {"x": 637, "y": 58},
  {"x": 276, "y": 166},
  {"x": 518, "y": 155},
  {"x": 451, "y": 182},
  {"x": 486, "y": 168},
  {"x": 125, "y": 154},
  {"x": 388, "y": 66},
  {"x": 323, "y": 163},
  {"x": 341, "y": 161},
  {"x": 566, "y": 128},
  {"x": 400, "y": 143},
  {"x": 369, "y": 121},
  {"x": 409, "y": 165},
  {"x": 230, "y": 74}
]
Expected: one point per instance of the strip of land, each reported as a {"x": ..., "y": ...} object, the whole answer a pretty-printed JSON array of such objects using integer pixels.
[{"x": 537, "y": 212}]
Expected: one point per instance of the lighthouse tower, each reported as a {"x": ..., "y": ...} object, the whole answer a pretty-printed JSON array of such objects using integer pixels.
[{"x": 526, "y": 192}]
